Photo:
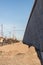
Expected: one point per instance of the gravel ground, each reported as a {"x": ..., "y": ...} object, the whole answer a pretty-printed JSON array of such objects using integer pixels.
[{"x": 18, "y": 54}]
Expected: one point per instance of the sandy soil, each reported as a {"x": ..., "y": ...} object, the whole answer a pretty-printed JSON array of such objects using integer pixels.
[{"x": 18, "y": 54}]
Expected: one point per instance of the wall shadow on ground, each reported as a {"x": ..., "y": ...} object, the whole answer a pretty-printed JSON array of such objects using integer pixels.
[{"x": 37, "y": 51}]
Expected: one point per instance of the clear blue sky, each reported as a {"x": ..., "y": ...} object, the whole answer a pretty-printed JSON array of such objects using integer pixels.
[{"x": 14, "y": 15}]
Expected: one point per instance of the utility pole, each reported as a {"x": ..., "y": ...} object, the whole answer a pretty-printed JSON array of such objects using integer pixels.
[
  {"x": 1, "y": 30},
  {"x": 9, "y": 34},
  {"x": 13, "y": 32}
]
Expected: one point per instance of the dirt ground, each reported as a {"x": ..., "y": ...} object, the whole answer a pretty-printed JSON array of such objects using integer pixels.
[{"x": 18, "y": 54}]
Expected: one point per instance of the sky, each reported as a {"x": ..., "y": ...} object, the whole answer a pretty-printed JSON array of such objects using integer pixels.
[{"x": 14, "y": 15}]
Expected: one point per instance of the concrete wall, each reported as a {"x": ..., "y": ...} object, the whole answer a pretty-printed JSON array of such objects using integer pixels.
[{"x": 34, "y": 30}]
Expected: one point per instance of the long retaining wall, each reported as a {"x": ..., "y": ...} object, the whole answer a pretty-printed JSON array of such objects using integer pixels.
[{"x": 34, "y": 30}]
